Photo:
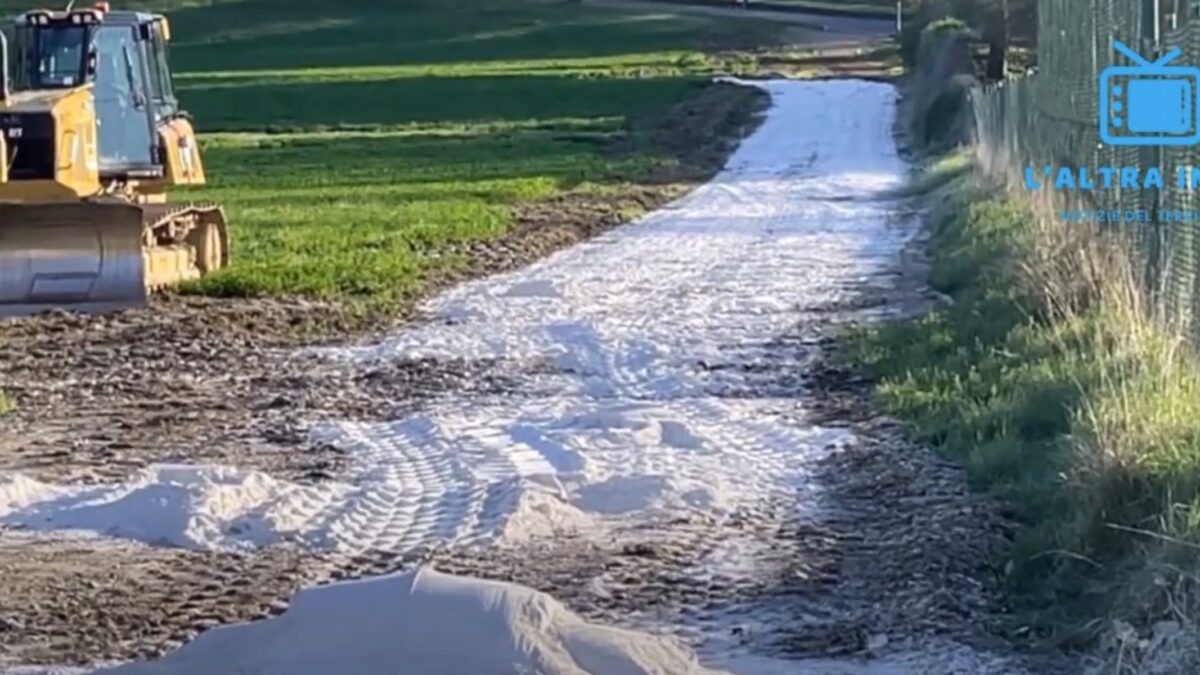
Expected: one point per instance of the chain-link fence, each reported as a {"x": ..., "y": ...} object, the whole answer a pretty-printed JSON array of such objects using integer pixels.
[{"x": 1051, "y": 117}]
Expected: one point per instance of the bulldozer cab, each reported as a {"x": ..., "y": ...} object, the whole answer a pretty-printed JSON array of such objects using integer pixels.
[{"x": 122, "y": 56}]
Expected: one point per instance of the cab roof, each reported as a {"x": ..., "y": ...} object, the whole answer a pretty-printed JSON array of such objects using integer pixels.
[
  {"x": 117, "y": 17},
  {"x": 130, "y": 17}
]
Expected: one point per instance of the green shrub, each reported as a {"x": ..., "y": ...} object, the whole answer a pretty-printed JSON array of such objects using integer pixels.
[{"x": 935, "y": 33}]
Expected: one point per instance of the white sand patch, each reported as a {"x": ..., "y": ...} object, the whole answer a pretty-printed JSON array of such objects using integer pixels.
[
  {"x": 483, "y": 474},
  {"x": 658, "y": 402},
  {"x": 192, "y": 507},
  {"x": 424, "y": 622},
  {"x": 534, "y": 288}
]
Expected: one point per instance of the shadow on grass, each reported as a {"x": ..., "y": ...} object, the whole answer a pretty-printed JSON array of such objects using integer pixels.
[{"x": 428, "y": 100}]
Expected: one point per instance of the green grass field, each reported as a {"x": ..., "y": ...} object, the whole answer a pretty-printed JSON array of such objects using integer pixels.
[{"x": 346, "y": 137}]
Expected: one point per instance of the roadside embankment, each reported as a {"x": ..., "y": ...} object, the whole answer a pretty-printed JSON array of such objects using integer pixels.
[{"x": 1049, "y": 374}]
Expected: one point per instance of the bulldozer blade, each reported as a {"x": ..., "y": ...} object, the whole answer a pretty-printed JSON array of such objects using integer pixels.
[{"x": 80, "y": 257}]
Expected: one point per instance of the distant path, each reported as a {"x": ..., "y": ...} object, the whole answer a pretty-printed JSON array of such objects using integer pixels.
[{"x": 811, "y": 28}]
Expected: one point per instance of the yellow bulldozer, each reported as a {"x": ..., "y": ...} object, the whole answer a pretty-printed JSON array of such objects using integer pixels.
[{"x": 91, "y": 138}]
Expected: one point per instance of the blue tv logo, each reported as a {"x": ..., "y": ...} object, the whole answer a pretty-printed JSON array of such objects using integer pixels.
[{"x": 1149, "y": 103}]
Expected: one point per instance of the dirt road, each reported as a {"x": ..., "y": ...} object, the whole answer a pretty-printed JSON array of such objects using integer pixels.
[{"x": 642, "y": 426}]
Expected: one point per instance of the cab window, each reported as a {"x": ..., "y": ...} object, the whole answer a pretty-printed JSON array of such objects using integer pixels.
[
  {"x": 49, "y": 58},
  {"x": 122, "y": 116},
  {"x": 159, "y": 77}
]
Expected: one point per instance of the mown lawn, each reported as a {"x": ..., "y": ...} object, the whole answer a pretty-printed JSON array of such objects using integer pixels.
[{"x": 347, "y": 138}]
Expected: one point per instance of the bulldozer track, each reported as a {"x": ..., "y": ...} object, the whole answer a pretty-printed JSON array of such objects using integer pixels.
[
  {"x": 156, "y": 215},
  {"x": 204, "y": 231}
]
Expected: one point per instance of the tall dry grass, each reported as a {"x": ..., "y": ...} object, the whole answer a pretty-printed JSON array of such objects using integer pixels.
[{"x": 1134, "y": 467}]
